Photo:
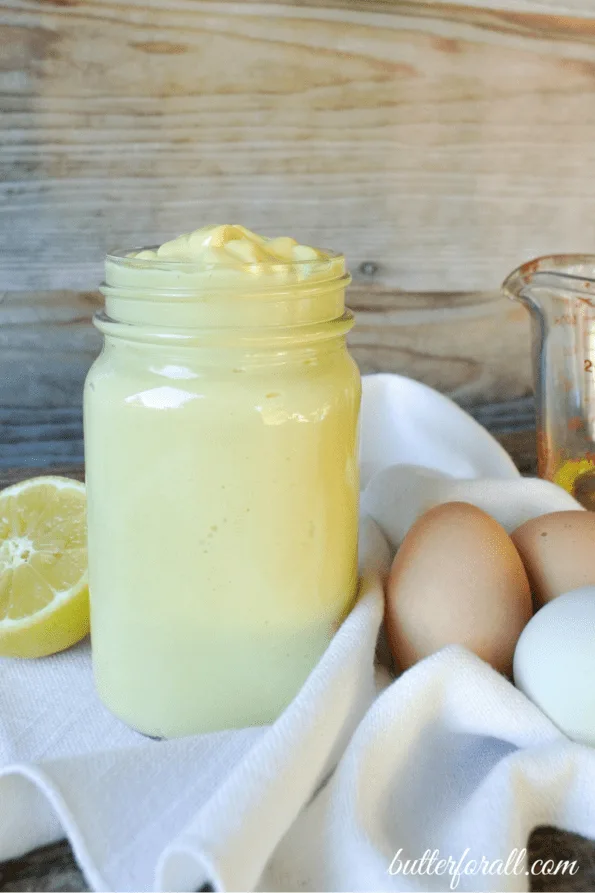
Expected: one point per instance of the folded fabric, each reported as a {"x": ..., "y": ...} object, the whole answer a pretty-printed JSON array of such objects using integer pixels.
[{"x": 360, "y": 773}]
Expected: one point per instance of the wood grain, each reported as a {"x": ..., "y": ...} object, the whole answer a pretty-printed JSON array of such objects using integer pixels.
[
  {"x": 47, "y": 344},
  {"x": 575, "y": 8},
  {"x": 51, "y": 868},
  {"x": 442, "y": 143},
  {"x": 472, "y": 346}
]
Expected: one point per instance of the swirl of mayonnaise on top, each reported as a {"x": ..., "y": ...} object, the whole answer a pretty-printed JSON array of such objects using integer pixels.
[{"x": 230, "y": 245}]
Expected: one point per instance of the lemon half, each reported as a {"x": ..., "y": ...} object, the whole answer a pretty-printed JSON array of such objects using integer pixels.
[{"x": 44, "y": 595}]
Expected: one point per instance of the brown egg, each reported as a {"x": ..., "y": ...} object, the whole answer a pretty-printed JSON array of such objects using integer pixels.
[
  {"x": 558, "y": 551},
  {"x": 457, "y": 579}
]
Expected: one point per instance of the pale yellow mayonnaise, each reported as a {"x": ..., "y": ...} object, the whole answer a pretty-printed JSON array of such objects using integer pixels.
[
  {"x": 229, "y": 245},
  {"x": 222, "y": 479}
]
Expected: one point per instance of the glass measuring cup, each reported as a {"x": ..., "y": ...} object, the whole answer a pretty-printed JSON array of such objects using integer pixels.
[{"x": 559, "y": 292}]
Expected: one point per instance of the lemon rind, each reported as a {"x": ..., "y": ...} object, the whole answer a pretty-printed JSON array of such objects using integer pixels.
[{"x": 60, "y": 597}]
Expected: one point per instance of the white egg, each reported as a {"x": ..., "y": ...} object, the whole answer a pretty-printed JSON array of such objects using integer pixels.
[{"x": 554, "y": 663}]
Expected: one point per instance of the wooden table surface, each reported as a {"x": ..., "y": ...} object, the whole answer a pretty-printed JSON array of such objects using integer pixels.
[{"x": 53, "y": 868}]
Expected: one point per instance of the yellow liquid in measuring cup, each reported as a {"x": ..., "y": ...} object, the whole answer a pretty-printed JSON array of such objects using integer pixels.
[
  {"x": 222, "y": 498},
  {"x": 577, "y": 476}
]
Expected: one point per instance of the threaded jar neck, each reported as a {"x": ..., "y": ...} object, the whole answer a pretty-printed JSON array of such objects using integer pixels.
[{"x": 188, "y": 296}]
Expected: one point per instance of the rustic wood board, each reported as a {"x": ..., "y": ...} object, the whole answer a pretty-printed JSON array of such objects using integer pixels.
[
  {"x": 583, "y": 8},
  {"x": 437, "y": 144},
  {"x": 473, "y": 346},
  {"x": 442, "y": 143}
]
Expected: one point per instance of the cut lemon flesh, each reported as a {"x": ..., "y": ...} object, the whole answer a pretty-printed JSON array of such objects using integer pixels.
[{"x": 44, "y": 596}]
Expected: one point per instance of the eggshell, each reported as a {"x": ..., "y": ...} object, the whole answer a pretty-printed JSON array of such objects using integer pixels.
[
  {"x": 554, "y": 663},
  {"x": 457, "y": 579},
  {"x": 558, "y": 551}
]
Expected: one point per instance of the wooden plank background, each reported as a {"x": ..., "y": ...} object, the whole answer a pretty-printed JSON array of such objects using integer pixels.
[{"x": 438, "y": 145}]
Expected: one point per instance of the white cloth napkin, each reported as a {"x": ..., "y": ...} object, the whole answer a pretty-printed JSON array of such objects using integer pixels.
[{"x": 359, "y": 768}]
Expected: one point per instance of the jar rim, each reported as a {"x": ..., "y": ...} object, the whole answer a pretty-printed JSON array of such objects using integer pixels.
[
  {"x": 122, "y": 257},
  {"x": 191, "y": 277},
  {"x": 194, "y": 279},
  {"x": 196, "y": 295}
]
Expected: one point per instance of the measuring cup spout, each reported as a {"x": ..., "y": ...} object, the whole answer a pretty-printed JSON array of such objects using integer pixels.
[
  {"x": 517, "y": 284},
  {"x": 570, "y": 275}
]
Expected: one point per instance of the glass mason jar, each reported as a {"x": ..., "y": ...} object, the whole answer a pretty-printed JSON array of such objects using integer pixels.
[{"x": 222, "y": 480}]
